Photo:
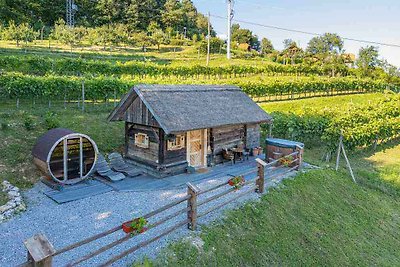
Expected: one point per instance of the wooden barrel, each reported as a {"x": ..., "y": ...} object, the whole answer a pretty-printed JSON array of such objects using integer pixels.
[{"x": 65, "y": 156}]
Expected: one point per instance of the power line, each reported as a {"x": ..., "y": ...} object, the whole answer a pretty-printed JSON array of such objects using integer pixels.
[{"x": 305, "y": 32}]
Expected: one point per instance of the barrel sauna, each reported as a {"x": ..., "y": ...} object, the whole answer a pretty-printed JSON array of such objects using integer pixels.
[{"x": 65, "y": 156}]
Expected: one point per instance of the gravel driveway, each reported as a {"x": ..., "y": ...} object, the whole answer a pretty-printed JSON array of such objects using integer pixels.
[{"x": 74, "y": 221}]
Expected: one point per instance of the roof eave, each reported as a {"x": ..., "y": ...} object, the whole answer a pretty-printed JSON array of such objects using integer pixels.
[{"x": 221, "y": 125}]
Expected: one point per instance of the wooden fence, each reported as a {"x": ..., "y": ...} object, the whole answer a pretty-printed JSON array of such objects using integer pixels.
[{"x": 41, "y": 252}]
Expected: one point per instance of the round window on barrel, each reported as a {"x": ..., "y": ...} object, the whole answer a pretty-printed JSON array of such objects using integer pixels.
[{"x": 65, "y": 156}]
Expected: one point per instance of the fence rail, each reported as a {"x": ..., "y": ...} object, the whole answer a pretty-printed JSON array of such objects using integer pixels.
[{"x": 41, "y": 251}]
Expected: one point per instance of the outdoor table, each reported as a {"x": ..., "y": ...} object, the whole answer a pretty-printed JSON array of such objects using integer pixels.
[{"x": 238, "y": 154}]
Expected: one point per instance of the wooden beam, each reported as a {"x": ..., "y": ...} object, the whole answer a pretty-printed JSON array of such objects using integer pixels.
[
  {"x": 65, "y": 158},
  {"x": 40, "y": 251},
  {"x": 161, "y": 146},
  {"x": 80, "y": 157}
]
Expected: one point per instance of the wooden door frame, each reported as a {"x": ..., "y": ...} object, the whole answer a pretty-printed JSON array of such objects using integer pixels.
[{"x": 203, "y": 148}]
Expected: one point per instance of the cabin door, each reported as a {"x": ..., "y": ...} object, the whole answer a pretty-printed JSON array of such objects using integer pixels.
[{"x": 197, "y": 148}]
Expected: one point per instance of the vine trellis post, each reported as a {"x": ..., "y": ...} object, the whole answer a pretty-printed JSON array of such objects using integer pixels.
[{"x": 341, "y": 149}]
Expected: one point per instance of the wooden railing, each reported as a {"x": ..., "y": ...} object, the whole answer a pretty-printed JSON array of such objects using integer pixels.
[{"x": 41, "y": 251}]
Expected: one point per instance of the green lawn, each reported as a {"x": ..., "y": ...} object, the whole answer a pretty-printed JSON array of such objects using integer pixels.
[
  {"x": 321, "y": 218},
  {"x": 20, "y": 129},
  {"x": 3, "y": 198}
]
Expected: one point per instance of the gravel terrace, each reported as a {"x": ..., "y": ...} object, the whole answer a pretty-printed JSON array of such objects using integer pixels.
[{"x": 73, "y": 221}]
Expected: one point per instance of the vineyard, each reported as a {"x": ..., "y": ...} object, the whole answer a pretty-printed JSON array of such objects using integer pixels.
[
  {"x": 40, "y": 65},
  {"x": 363, "y": 124},
  {"x": 19, "y": 85},
  {"x": 26, "y": 76}
]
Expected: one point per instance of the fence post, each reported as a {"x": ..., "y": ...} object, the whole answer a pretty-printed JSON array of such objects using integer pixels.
[
  {"x": 40, "y": 251},
  {"x": 300, "y": 156},
  {"x": 261, "y": 176},
  {"x": 192, "y": 204},
  {"x": 83, "y": 95}
]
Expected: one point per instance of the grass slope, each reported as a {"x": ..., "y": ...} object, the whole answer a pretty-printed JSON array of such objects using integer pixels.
[
  {"x": 20, "y": 129},
  {"x": 320, "y": 218},
  {"x": 3, "y": 198}
]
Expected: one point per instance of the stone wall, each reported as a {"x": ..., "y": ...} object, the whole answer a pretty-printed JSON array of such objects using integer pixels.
[{"x": 15, "y": 203}]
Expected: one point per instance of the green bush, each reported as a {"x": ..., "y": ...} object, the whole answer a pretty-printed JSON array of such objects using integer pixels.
[
  {"x": 29, "y": 123},
  {"x": 51, "y": 121}
]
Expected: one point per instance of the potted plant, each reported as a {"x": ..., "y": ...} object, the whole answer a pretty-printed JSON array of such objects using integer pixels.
[
  {"x": 286, "y": 161},
  {"x": 237, "y": 181},
  {"x": 136, "y": 226}
]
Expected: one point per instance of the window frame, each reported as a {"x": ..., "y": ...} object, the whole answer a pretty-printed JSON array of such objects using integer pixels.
[
  {"x": 177, "y": 143},
  {"x": 145, "y": 138}
]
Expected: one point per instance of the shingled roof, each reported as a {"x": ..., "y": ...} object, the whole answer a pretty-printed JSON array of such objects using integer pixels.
[{"x": 180, "y": 108}]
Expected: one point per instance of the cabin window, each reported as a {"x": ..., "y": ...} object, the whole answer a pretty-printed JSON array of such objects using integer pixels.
[
  {"x": 142, "y": 140},
  {"x": 177, "y": 143}
]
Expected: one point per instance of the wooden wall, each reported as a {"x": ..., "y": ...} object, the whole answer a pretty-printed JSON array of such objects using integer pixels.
[
  {"x": 225, "y": 137},
  {"x": 172, "y": 156},
  {"x": 150, "y": 154},
  {"x": 252, "y": 135},
  {"x": 137, "y": 112}
]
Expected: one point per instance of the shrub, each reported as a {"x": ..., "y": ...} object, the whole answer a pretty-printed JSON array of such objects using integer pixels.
[
  {"x": 29, "y": 123},
  {"x": 51, "y": 120}
]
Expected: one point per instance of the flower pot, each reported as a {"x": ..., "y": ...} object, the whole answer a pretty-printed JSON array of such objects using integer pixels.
[
  {"x": 127, "y": 227},
  {"x": 236, "y": 182},
  {"x": 144, "y": 229}
]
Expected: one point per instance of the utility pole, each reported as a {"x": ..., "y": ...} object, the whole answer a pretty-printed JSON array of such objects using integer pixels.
[
  {"x": 71, "y": 9},
  {"x": 208, "y": 39},
  {"x": 230, "y": 17}
]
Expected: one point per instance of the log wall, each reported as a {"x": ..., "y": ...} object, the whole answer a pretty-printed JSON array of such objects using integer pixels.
[
  {"x": 140, "y": 114},
  {"x": 148, "y": 154},
  {"x": 252, "y": 135},
  {"x": 225, "y": 137}
]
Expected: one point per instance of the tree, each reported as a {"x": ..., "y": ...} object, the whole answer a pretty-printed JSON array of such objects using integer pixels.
[
  {"x": 291, "y": 51},
  {"x": 288, "y": 43},
  {"x": 367, "y": 59},
  {"x": 215, "y": 45},
  {"x": 140, "y": 13},
  {"x": 244, "y": 36},
  {"x": 172, "y": 15},
  {"x": 156, "y": 33},
  {"x": 23, "y": 32},
  {"x": 119, "y": 34},
  {"x": 12, "y": 33},
  {"x": 266, "y": 46},
  {"x": 27, "y": 33},
  {"x": 327, "y": 43}
]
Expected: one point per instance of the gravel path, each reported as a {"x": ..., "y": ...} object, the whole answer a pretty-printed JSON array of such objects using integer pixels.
[{"x": 74, "y": 221}]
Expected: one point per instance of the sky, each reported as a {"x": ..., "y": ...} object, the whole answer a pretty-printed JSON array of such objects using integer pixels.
[{"x": 372, "y": 20}]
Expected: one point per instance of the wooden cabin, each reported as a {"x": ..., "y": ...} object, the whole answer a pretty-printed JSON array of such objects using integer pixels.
[{"x": 171, "y": 127}]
